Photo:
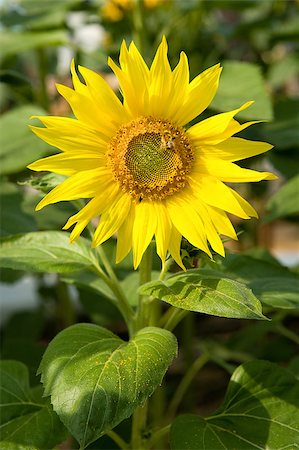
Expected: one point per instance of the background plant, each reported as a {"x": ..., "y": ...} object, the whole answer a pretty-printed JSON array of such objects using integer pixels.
[{"x": 257, "y": 42}]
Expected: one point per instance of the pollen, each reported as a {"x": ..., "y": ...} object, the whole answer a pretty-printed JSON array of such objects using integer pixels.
[{"x": 150, "y": 158}]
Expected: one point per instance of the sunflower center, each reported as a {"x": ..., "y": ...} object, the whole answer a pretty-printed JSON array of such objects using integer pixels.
[{"x": 150, "y": 158}]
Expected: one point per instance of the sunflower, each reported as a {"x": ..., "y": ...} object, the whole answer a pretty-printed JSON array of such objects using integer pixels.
[{"x": 145, "y": 174}]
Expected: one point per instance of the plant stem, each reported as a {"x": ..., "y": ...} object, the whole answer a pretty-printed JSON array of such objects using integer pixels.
[
  {"x": 145, "y": 274},
  {"x": 172, "y": 318},
  {"x": 118, "y": 440},
  {"x": 158, "y": 435},
  {"x": 42, "y": 69},
  {"x": 138, "y": 427},
  {"x": 138, "y": 25},
  {"x": 65, "y": 309},
  {"x": 287, "y": 333},
  {"x": 121, "y": 301},
  {"x": 185, "y": 383}
]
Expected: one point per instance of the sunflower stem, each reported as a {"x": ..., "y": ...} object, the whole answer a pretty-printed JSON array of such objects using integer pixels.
[
  {"x": 172, "y": 318},
  {"x": 185, "y": 383},
  {"x": 145, "y": 274},
  {"x": 118, "y": 440},
  {"x": 138, "y": 24}
]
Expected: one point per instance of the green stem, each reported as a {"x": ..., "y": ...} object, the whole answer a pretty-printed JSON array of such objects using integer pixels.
[
  {"x": 65, "y": 310},
  {"x": 138, "y": 25},
  {"x": 42, "y": 70},
  {"x": 143, "y": 314},
  {"x": 287, "y": 333},
  {"x": 118, "y": 440},
  {"x": 158, "y": 435},
  {"x": 138, "y": 427},
  {"x": 145, "y": 274},
  {"x": 122, "y": 302},
  {"x": 172, "y": 318},
  {"x": 185, "y": 383}
]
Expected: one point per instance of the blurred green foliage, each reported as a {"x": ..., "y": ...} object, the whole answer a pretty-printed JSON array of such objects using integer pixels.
[{"x": 257, "y": 43}]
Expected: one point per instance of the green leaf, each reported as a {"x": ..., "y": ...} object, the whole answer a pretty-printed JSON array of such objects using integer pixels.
[
  {"x": 205, "y": 293},
  {"x": 239, "y": 83},
  {"x": 13, "y": 218},
  {"x": 273, "y": 284},
  {"x": 27, "y": 420},
  {"x": 260, "y": 410},
  {"x": 45, "y": 251},
  {"x": 285, "y": 202},
  {"x": 96, "y": 380},
  {"x": 283, "y": 132},
  {"x": 44, "y": 183},
  {"x": 17, "y": 42},
  {"x": 18, "y": 145}
]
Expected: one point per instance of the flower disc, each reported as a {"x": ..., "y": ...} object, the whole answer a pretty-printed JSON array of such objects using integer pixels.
[{"x": 150, "y": 158}]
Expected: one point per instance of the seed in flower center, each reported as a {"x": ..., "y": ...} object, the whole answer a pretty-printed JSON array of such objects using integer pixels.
[{"x": 150, "y": 158}]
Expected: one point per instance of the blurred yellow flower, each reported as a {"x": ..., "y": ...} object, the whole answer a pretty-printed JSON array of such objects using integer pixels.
[
  {"x": 145, "y": 173},
  {"x": 114, "y": 10}
]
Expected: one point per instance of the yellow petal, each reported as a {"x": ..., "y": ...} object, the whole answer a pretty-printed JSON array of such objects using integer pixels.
[
  {"x": 76, "y": 140},
  {"x": 145, "y": 224},
  {"x": 211, "y": 232},
  {"x": 86, "y": 110},
  {"x": 235, "y": 149},
  {"x": 206, "y": 130},
  {"x": 124, "y": 238},
  {"x": 104, "y": 97},
  {"x": 187, "y": 221},
  {"x": 200, "y": 93},
  {"x": 175, "y": 247},
  {"x": 247, "y": 208},
  {"x": 215, "y": 193},
  {"x": 94, "y": 208},
  {"x": 133, "y": 76},
  {"x": 69, "y": 163},
  {"x": 78, "y": 85},
  {"x": 112, "y": 218},
  {"x": 81, "y": 185},
  {"x": 221, "y": 222},
  {"x": 229, "y": 172},
  {"x": 163, "y": 230},
  {"x": 161, "y": 83}
]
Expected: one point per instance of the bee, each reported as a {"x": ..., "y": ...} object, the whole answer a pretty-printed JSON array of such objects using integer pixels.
[{"x": 167, "y": 142}]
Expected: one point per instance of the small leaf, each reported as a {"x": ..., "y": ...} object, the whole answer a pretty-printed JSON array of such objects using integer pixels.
[
  {"x": 17, "y": 152},
  {"x": 260, "y": 410},
  {"x": 27, "y": 421},
  {"x": 96, "y": 380},
  {"x": 13, "y": 217},
  {"x": 285, "y": 202},
  {"x": 240, "y": 82},
  {"x": 16, "y": 42},
  {"x": 45, "y": 251},
  {"x": 207, "y": 294}
]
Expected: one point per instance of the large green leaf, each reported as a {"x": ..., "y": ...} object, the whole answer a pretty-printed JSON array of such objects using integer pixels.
[
  {"x": 260, "y": 410},
  {"x": 13, "y": 42},
  {"x": 27, "y": 420},
  {"x": 273, "y": 284},
  {"x": 239, "y": 83},
  {"x": 96, "y": 380},
  {"x": 206, "y": 293},
  {"x": 13, "y": 217},
  {"x": 18, "y": 145},
  {"x": 45, "y": 251},
  {"x": 285, "y": 202},
  {"x": 283, "y": 132}
]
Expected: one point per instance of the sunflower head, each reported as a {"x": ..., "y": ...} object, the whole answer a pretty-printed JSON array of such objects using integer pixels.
[{"x": 143, "y": 172}]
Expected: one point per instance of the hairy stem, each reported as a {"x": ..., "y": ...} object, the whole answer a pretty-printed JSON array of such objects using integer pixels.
[{"x": 185, "y": 383}]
